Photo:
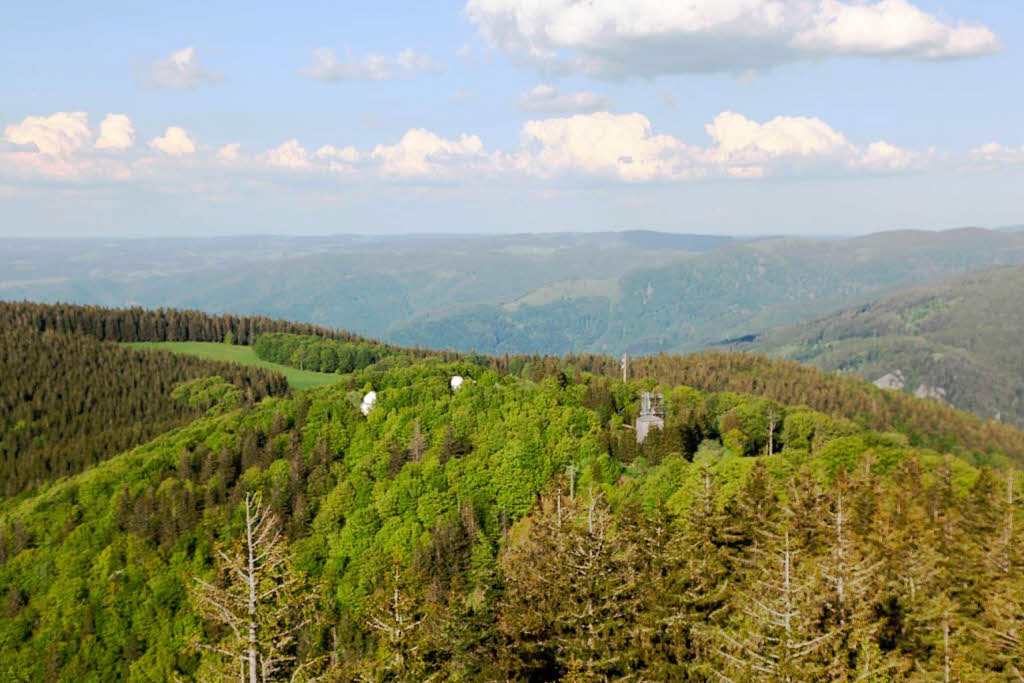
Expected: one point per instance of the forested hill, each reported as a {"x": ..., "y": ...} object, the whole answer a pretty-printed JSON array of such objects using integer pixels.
[
  {"x": 510, "y": 528},
  {"x": 514, "y": 530},
  {"x": 959, "y": 339},
  {"x": 924, "y": 422},
  {"x": 68, "y": 402}
]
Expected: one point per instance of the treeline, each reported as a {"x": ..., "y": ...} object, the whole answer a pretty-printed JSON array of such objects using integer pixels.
[
  {"x": 148, "y": 325},
  {"x": 318, "y": 353},
  {"x": 69, "y": 401},
  {"x": 924, "y": 422},
  {"x": 513, "y": 530}
]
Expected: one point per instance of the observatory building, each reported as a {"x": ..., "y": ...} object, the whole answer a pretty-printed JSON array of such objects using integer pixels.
[
  {"x": 652, "y": 414},
  {"x": 369, "y": 401}
]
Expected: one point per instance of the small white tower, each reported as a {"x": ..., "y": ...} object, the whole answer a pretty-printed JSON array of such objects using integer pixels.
[{"x": 651, "y": 415}]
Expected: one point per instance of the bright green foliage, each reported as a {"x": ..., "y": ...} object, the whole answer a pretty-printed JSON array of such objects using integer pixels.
[
  {"x": 318, "y": 354},
  {"x": 514, "y": 529},
  {"x": 210, "y": 394}
]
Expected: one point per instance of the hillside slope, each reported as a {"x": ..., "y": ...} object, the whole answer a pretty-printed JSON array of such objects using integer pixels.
[
  {"x": 69, "y": 401},
  {"x": 489, "y": 531},
  {"x": 481, "y": 524},
  {"x": 958, "y": 339}
]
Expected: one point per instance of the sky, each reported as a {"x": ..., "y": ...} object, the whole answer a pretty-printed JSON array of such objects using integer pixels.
[{"x": 712, "y": 116}]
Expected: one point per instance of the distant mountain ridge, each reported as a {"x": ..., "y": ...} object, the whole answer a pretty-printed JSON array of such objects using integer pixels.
[
  {"x": 634, "y": 291},
  {"x": 729, "y": 292},
  {"x": 958, "y": 340}
]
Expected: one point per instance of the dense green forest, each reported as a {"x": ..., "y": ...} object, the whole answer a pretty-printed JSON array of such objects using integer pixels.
[
  {"x": 70, "y": 401},
  {"x": 960, "y": 336},
  {"x": 319, "y": 354},
  {"x": 513, "y": 529}
]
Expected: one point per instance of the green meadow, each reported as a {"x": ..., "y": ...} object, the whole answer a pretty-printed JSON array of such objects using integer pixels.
[{"x": 297, "y": 379}]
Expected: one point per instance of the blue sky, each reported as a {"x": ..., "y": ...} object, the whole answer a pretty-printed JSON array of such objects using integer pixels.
[{"x": 720, "y": 116}]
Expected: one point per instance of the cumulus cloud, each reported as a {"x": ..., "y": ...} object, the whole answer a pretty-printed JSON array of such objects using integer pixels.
[
  {"x": 746, "y": 147},
  {"x": 423, "y": 153},
  {"x": 58, "y": 134},
  {"x": 625, "y": 147},
  {"x": 174, "y": 142},
  {"x": 116, "y": 132},
  {"x": 230, "y": 152},
  {"x": 598, "y": 146},
  {"x": 993, "y": 153},
  {"x": 289, "y": 155},
  {"x": 602, "y": 144},
  {"x": 327, "y": 67},
  {"x": 58, "y": 147},
  {"x": 614, "y": 39},
  {"x": 182, "y": 70},
  {"x": 881, "y": 156},
  {"x": 348, "y": 155},
  {"x": 737, "y": 138},
  {"x": 546, "y": 98}
]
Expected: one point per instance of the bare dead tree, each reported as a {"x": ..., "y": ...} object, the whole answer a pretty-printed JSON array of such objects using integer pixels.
[
  {"x": 773, "y": 420},
  {"x": 418, "y": 444},
  {"x": 261, "y": 602},
  {"x": 781, "y": 635}
]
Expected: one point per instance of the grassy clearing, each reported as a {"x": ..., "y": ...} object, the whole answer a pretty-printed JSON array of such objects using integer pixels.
[{"x": 297, "y": 379}]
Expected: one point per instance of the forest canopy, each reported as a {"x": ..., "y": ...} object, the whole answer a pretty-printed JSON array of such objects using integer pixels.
[{"x": 514, "y": 529}]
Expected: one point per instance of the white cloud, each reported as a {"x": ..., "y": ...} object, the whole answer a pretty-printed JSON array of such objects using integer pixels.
[
  {"x": 289, "y": 155},
  {"x": 230, "y": 152},
  {"x": 423, "y": 153},
  {"x": 625, "y": 147},
  {"x": 116, "y": 132},
  {"x": 175, "y": 142},
  {"x": 881, "y": 156},
  {"x": 893, "y": 28},
  {"x": 348, "y": 155},
  {"x": 737, "y": 138},
  {"x": 58, "y": 134},
  {"x": 58, "y": 147},
  {"x": 602, "y": 144},
  {"x": 338, "y": 159},
  {"x": 597, "y": 146},
  {"x": 993, "y": 153},
  {"x": 747, "y": 147},
  {"x": 180, "y": 71},
  {"x": 327, "y": 67},
  {"x": 546, "y": 98},
  {"x": 613, "y": 39}
]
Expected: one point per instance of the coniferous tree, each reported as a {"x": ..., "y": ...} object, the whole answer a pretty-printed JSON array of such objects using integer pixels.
[{"x": 262, "y": 605}]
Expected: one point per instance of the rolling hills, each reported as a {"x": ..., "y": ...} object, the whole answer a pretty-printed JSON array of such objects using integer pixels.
[
  {"x": 633, "y": 291},
  {"x": 958, "y": 339},
  {"x": 512, "y": 528}
]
